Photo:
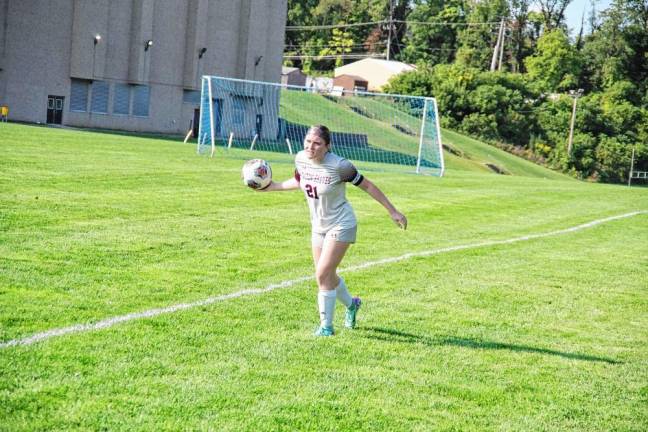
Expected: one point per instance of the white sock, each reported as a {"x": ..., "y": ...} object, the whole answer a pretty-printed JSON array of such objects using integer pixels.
[
  {"x": 343, "y": 293},
  {"x": 326, "y": 303}
]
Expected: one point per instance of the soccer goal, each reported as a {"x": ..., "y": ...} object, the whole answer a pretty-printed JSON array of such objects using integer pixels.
[{"x": 401, "y": 131}]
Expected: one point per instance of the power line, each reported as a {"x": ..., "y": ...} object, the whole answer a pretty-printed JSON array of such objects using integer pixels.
[
  {"x": 448, "y": 23},
  {"x": 304, "y": 46},
  {"x": 402, "y": 45},
  {"x": 296, "y": 49},
  {"x": 336, "y": 56},
  {"x": 422, "y": 23},
  {"x": 332, "y": 26}
]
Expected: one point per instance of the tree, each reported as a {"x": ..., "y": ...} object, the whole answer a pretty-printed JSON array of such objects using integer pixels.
[
  {"x": 339, "y": 44},
  {"x": 361, "y": 39},
  {"x": 477, "y": 39},
  {"x": 484, "y": 104},
  {"x": 520, "y": 41},
  {"x": 618, "y": 49},
  {"x": 430, "y": 42},
  {"x": 556, "y": 64},
  {"x": 300, "y": 42},
  {"x": 613, "y": 159},
  {"x": 553, "y": 12},
  {"x": 400, "y": 12}
]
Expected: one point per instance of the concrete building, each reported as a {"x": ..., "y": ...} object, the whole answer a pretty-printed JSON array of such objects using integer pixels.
[
  {"x": 131, "y": 64},
  {"x": 376, "y": 72}
]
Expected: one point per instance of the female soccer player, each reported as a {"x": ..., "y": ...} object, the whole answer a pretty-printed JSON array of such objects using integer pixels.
[{"x": 323, "y": 175}]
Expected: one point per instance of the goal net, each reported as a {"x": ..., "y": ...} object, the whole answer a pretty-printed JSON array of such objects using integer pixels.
[{"x": 402, "y": 131}]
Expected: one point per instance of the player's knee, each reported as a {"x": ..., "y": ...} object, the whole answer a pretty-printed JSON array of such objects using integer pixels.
[{"x": 324, "y": 276}]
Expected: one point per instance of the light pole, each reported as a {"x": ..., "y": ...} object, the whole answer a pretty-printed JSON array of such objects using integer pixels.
[
  {"x": 201, "y": 53},
  {"x": 575, "y": 94},
  {"x": 147, "y": 59},
  {"x": 96, "y": 40}
]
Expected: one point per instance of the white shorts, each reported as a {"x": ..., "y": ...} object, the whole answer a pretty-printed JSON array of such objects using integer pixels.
[{"x": 347, "y": 235}]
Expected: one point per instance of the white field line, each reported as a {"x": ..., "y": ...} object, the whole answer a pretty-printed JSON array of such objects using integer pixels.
[{"x": 109, "y": 322}]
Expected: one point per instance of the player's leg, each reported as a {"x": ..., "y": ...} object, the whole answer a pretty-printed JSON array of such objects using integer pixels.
[
  {"x": 317, "y": 252},
  {"x": 330, "y": 258},
  {"x": 332, "y": 253},
  {"x": 342, "y": 292},
  {"x": 317, "y": 241},
  {"x": 351, "y": 308},
  {"x": 323, "y": 298}
]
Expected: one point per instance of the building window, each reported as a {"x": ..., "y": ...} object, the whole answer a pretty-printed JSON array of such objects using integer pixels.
[
  {"x": 239, "y": 110},
  {"x": 99, "y": 101},
  {"x": 121, "y": 99},
  {"x": 141, "y": 100},
  {"x": 79, "y": 95},
  {"x": 191, "y": 96}
]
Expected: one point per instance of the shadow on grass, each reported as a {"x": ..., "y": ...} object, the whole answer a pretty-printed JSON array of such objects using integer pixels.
[{"x": 392, "y": 335}]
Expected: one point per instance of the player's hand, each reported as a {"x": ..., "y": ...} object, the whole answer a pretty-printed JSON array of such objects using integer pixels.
[{"x": 399, "y": 219}]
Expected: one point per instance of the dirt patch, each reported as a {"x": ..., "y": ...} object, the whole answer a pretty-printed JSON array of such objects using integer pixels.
[
  {"x": 496, "y": 169},
  {"x": 455, "y": 151}
]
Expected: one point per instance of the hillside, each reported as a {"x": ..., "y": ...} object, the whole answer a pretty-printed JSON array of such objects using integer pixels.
[
  {"x": 474, "y": 155},
  {"x": 376, "y": 118}
]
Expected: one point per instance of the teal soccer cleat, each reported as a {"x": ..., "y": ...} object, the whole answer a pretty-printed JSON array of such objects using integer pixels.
[
  {"x": 324, "y": 331},
  {"x": 351, "y": 312}
]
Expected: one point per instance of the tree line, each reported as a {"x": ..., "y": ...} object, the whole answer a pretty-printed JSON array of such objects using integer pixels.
[{"x": 524, "y": 104}]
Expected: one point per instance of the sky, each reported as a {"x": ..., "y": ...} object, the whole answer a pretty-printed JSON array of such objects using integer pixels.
[{"x": 574, "y": 13}]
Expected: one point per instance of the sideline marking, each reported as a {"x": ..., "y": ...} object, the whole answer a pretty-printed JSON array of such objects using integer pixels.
[{"x": 109, "y": 322}]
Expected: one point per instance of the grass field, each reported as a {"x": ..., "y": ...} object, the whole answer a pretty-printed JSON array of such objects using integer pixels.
[{"x": 545, "y": 333}]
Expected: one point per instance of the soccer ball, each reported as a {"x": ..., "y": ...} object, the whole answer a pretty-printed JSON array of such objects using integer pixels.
[{"x": 256, "y": 174}]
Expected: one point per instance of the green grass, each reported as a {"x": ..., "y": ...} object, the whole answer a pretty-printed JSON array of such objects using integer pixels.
[
  {"x": 545, "y": 334},
  {"x": 477, "y": 154}
]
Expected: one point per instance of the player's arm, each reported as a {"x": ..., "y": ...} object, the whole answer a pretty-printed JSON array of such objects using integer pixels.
[
  {"x": 379, "y": 196},
  {"x": 290, "y": 184}
]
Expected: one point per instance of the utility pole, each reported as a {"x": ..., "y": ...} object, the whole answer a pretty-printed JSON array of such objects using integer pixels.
[
  {"x": 575, "y": 94},
  {"x": 391, "y": 18},
  {"x": 501, "y": 53},
  {"x": 497, "y": 46},
  {"x": 631, "y": 167}
]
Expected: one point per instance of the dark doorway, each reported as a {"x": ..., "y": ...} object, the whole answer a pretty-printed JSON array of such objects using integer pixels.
[
  {"x": 218, "y": 116},
  {"x": 259, "y": 124},
  {"x": 55, "y": 109},
  {"x": 196, "y": 122}
]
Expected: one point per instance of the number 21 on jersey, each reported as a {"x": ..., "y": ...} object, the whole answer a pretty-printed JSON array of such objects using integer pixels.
[{"x": 311, "y": 191}]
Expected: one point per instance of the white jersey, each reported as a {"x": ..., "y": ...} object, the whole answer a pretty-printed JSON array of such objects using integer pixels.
[{"x": 325, "y": 190}]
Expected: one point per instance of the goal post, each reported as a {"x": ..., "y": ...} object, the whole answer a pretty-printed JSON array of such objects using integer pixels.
[
  {"x": 394, "y": 131},
  {"x": 206, "y": 137}
]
